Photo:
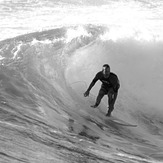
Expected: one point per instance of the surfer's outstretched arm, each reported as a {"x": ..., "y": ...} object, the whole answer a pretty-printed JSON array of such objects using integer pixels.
[
  {"x": 91, "y": 85},
  {"x": 89, "y": 88}
]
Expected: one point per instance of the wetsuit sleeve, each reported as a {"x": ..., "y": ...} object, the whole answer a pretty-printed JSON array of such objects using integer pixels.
[
  {"x": 97, "y": 77},
  {"x": 114, "y": 82},
  {"x": 93, "y": 82},
  {"x": 116, "y": 86}
]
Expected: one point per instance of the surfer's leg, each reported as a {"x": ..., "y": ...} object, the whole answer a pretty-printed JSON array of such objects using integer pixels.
[
  {"x": 111, "y": 101},
  {"x": 101, "y": 94}
]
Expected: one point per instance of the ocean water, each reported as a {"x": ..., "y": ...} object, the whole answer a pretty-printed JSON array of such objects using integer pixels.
[{"x": 49, "y": 53}]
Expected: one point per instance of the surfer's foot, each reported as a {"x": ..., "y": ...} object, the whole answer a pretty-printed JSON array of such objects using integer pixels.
[{"x": 94, "y": 106}]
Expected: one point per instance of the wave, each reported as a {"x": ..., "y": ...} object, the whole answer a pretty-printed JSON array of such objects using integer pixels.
[{"x": 44, "y": 75}]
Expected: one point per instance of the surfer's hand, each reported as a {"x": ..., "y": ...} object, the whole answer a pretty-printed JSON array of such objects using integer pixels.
[{"x": 86, "y": 94}]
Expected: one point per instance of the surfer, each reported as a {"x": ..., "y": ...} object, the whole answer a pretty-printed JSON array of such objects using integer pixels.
[{"x": 110, "y": 86}]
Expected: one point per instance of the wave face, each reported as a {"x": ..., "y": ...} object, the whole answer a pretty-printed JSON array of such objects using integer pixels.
[{"x": 44, "y": 116}]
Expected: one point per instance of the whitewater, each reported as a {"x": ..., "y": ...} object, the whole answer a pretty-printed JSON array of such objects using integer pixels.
[{"x": 49, "y": 53}]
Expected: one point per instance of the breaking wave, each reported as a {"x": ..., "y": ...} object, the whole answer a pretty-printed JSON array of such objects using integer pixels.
[{"x": 44, "y": 75}]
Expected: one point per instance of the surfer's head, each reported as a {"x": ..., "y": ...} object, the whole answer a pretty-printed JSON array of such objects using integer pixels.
[{"x": 106, "y": 70}]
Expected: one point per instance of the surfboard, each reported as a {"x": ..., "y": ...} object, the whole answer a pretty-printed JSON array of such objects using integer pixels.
[
  {"x": 118, "y": 121},
  {"x": 106, "y": 123},
  {"x": 115, "y": 120}
]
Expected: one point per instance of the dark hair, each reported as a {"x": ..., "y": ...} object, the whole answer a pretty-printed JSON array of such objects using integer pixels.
[{"x": 106, "y": 66}]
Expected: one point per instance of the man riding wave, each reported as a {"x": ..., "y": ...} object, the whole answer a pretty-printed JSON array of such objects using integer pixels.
[{"x": 110, "y": 86}]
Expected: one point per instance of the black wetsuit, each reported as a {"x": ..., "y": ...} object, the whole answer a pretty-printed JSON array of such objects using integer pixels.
[
  {"x": 109, "y": 87},
  {"x": 107, "y": 83}
]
